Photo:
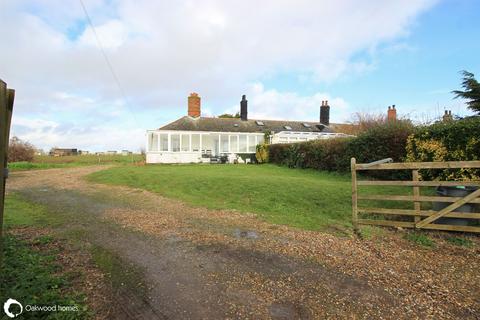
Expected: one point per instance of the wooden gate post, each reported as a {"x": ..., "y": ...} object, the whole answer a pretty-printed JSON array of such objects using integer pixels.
[
  {"x": 353, "y": 163},
  {"x": 416, "y": 193},
  {"x": 6, "y": 107}
]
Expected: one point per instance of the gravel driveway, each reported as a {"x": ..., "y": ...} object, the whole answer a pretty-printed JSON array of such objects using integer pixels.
[{"x": 212, "y": 264}]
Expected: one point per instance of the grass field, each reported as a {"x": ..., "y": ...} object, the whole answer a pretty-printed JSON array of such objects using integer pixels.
[
  {"x": 31, "y": 273},
  {"x": 48, "y": 162},
  {"x": 307, "y": 199}
]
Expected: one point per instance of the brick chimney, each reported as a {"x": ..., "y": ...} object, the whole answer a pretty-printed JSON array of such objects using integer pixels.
[
  {"x": 447, "y": 116},
  {"x": 392, "y": 113},
  {"x": 325, "y": 113},
  {"x": 243, "y": 109},
  {"x": 194, "y": 105}
]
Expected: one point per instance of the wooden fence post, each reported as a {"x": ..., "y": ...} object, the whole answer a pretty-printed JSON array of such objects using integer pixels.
[
  {"x": 6, "y": 107},
  {"x": 354, "y": 195},
  {"x": 416, "y": 193}
]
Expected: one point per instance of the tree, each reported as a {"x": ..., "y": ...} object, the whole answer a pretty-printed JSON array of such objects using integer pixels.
[
  {"x": 228, "y": 115},
  {"x": 471, "y": 93}
]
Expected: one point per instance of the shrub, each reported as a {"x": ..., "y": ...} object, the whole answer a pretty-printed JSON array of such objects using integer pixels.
[
  {"x": 262, "y": 153},
  {"x": 19, "y": 150},
  {"x": 384, "y": 140},
  {"x": 447, "y": 141}
]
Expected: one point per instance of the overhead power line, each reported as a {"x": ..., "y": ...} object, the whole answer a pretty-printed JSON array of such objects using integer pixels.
[{"x": 107, "y": 60}]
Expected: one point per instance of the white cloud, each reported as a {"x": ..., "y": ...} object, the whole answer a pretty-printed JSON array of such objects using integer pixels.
[
  {"x": 112, "y": 34},
  {"x": 276, "y": 105},
  {"x": 162, "y": 50}
]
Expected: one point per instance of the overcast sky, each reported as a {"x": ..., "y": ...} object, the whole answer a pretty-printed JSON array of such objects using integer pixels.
[{"x": 286, "y": 56}]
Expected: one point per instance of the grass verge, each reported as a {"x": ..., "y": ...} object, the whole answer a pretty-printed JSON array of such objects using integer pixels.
[
  {"x": 33, "y": 277},
  {"x": 306, "y": 199},
  {"x": 420, "y": 239},
  {"x": 31, "y": 273},
  {"x": 48, "y": 162}
]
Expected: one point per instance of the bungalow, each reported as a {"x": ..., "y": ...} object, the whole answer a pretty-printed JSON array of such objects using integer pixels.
[{"x": 193, "y": 139}]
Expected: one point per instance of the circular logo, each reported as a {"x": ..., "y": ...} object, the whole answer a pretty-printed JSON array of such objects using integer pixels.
[{"x": 6, "y": 308}]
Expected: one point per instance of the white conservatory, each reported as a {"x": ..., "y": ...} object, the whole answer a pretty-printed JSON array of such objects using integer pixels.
[{"x": 194, "y": 146}]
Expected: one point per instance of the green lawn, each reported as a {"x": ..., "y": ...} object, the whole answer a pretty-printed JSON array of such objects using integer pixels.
[
  {"x": 30, "y": 272},
  {"x": 307, "y": 199},
  {"x": 48, "y": 162}
]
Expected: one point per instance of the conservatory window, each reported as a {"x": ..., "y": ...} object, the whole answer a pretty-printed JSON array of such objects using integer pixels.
[
  {"x": 163, "y": 142},
  {"x": 175, "y": 142}
]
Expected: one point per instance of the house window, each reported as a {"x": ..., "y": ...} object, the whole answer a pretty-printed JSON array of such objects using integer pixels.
[
  {"x": 260, "y": 139},
  {"x": 224, "y": 144},
  {"x": 242, "y": 143},
  {"x": 195, "y": 142},
  {"x": 175, "y": 141},
  {"x": 153, "y": 142},
  {"x": 163, "y": 142},
  {"x": 185, "y": 142},
  {"x": 251, "y": 144},
  {"x": 233, "y": 143}
]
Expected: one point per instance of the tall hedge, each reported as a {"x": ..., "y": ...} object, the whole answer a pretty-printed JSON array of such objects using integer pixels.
[
  {"x": 387, "y": 140},
  {"x": 447, "y": 141}
]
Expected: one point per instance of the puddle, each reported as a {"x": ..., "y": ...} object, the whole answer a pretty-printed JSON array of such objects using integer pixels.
[
  {"x": 247, "y": 234},
  {"x": 281, "y": 311}
]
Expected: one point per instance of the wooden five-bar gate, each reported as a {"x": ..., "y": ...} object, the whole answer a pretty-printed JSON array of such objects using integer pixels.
[{"x": 417, "y": 217}]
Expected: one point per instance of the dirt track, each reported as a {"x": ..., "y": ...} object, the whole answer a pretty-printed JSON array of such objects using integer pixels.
[{"x": 210, "y": 264}]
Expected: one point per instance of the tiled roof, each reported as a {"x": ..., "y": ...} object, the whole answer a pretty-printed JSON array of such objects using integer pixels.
[{"x": 237, "y": 125}]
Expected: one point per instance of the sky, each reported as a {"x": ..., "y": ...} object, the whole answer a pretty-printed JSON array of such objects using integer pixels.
[{"x": 286, "y": 56}]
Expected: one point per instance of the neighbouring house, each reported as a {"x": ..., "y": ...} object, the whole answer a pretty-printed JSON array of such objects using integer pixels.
[
  {"x": 126, "y": 152},
  {"x": 111, "y": 152},
  {"x": 60, "y": 152},
  {"x": 193, "y": 138}
]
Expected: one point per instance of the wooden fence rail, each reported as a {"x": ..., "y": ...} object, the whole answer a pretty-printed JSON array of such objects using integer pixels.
[
  {"x": 416, "y": 217},
  {"x": 6, "y": 107}
]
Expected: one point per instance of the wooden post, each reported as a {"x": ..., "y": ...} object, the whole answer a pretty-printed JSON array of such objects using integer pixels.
[
  {"x": 354, "y": 195},
  {"x": 416, "y": 193},
  {"x": 7, "y": 97}
]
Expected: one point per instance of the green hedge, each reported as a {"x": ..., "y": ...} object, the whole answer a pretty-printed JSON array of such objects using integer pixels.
[
  {"x": 386, "y": 140},
  {"x": 447, "y": 141}
]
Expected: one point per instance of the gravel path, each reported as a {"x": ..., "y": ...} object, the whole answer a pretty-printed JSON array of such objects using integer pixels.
[{"x": 213, "y": 264}]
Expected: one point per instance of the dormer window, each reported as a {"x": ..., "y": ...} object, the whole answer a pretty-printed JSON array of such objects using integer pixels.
[
  {"x": 306, "y": 125},
  {"x": 235, "y": 124},
  {"x": 287, "y": 127},
  {"x": 259, "y": 123}
]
